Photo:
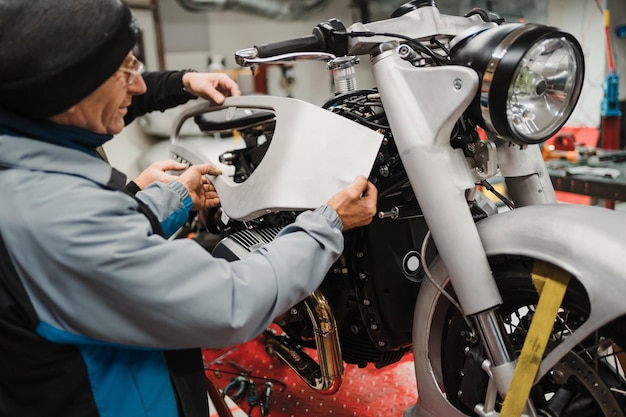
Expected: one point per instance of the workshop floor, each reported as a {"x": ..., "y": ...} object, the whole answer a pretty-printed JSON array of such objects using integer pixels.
[{"x": 367, "y": 392}]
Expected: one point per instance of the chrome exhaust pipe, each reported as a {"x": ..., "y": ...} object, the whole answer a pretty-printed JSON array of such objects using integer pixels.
[{"x": 327, "y": 376}]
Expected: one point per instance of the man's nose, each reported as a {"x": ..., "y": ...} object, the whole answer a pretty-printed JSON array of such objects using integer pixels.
[{"x": 138, "y": 87}]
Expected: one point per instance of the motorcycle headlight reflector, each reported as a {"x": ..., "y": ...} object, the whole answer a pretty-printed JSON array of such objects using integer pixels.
[{"x": 530, "y": 79}]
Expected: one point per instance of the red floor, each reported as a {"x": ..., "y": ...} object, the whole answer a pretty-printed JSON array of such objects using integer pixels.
[{"x": 367, "y": 392}]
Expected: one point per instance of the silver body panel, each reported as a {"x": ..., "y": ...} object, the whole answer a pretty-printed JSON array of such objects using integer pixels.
[{"x": 314, "y": 154}]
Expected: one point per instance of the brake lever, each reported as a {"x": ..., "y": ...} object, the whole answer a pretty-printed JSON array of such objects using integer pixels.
[{"x": 249, "y": 57}]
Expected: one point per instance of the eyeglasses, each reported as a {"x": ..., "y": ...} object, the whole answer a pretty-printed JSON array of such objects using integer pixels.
[{"x": 134, "y": 72}]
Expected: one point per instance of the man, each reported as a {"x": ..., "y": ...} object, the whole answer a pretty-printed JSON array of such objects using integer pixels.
[{"x": 101, "y": 315}]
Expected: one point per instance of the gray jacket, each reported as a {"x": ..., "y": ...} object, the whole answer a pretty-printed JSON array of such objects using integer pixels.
[{"x": 93, "y": 269}]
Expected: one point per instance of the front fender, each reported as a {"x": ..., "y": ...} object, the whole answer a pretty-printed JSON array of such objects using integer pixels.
[{"x": 589, "y": 242}]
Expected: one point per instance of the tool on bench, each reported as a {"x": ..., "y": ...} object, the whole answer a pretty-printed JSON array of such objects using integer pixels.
[
  {"x": 240, "y": 367},
  {"x": 265, "y": 404},
  {"x": 218, "y": 360},
  {"x": 253, "y": 399},
  {"x": 239, "y": 385}
]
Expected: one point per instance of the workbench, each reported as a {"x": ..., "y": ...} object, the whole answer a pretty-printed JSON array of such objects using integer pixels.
[{"x": 596, "y": 186}]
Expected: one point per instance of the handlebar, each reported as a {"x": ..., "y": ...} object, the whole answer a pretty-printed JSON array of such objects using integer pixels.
[
  {"x": 311, "y": 43},
  {"x": 419, "y": 21},
  {"x": 327, "y": 41}
]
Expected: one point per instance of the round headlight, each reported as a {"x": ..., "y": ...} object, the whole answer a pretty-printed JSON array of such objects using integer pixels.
[{"x": 531, "y": 77}]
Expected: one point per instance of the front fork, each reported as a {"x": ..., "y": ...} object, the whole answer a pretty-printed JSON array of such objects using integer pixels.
[
  {"x": 440, "y": 177},
  {"x": 500, "y": 366},
  {"x": 528, "y": 183}
]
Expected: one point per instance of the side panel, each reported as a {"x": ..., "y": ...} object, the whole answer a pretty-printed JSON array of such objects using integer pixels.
[{"x": 313, "y": 154}]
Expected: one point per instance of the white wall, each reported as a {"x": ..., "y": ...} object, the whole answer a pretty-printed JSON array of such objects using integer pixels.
[
  {"x": 583, "y": 19},
  {"x": 617, "y": 10},
  {"x": 227, "y": 31},
  {"x": 231, "y": 31}
]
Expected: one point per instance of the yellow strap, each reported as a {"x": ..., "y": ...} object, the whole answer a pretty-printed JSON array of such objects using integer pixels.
[{"x": 551, "y": 283}]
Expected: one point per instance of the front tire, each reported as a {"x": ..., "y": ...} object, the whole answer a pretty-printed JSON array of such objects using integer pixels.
[{"x": 588, "y": 381}]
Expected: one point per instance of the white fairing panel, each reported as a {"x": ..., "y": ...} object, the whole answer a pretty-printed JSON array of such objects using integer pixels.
[{"x": 313, "y": 154}]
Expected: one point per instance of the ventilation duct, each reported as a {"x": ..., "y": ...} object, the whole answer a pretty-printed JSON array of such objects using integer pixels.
[{"x": 273, "y": 9}]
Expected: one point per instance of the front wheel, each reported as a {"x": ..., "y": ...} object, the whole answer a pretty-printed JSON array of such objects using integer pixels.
[{"x": 588, "y": 381}]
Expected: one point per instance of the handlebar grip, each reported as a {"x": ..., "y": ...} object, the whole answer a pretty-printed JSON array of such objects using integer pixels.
[
  {"x": 311, "y": 43},
  {"x": 327, "y": 37}
]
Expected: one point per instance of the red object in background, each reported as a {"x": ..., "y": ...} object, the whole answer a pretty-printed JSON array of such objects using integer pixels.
[
  {"x": 611, "y": 127},
  {"x": 260, "y": 79},
  {"x": 366, "y": 392},
  {"x": 567, "y": 139}
]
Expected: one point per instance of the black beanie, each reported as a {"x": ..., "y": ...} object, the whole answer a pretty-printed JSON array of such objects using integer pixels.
[{"x": 55, "y": 53}]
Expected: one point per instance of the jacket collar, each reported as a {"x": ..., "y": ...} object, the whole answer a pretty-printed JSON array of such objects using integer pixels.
[
  {"x": 45, "y": 131},
  {"x": 31, "y": 154}
]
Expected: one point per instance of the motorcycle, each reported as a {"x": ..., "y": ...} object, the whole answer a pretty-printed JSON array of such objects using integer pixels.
[{"x": 470, "y": 288}]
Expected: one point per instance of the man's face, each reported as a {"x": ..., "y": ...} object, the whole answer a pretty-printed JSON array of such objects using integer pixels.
[{"x": 104, "y": 109}]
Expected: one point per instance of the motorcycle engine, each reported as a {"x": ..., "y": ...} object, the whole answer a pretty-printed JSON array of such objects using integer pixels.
[{"x": 371, "y": 288}]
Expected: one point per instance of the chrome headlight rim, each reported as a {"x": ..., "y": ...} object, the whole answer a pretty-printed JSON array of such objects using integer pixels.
[{"x": 496, "y": 55}]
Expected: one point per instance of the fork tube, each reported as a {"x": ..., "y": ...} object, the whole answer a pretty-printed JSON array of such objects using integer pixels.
[
  {"x": 422, "y": 106},
  {"x": 497, "y": 349},
  {"x": 527, "y": 178}
]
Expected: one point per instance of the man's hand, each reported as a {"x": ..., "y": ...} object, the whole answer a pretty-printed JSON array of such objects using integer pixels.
[
  {"x": 201, "y": 189},
  {"x": 210, "y": 86},
  {"x": 355, "y": 204},
  {"x": 158, "y": 172}
]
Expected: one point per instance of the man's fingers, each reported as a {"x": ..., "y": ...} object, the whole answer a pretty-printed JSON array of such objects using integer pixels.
[
  {"x": 360, "y": 186},
  {"x": 369, "y": 188},
  {"x": 215, "y": 95},
  {"x": 227, "y": 85},
  {"x": 208, "y": 169},
  {"x": 169, "y": 165}
]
